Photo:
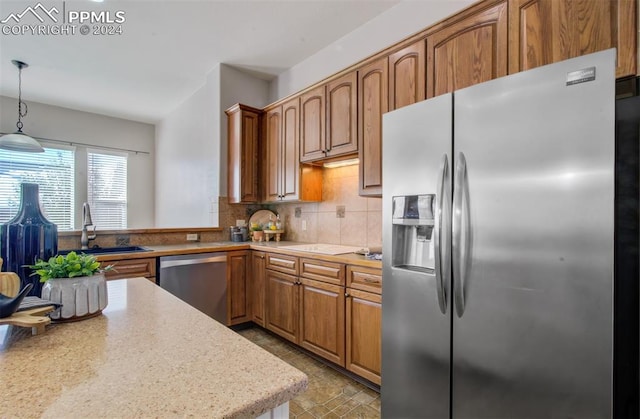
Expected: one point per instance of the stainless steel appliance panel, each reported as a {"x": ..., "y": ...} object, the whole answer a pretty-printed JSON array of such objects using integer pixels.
[
  {"x": 533, "y": 244},
  {"x": 199, "y": 280},
  {"x": 415, "y": 329}
]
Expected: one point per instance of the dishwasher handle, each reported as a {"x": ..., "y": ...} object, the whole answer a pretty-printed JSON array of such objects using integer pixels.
[{"x": 195, "y": 261}]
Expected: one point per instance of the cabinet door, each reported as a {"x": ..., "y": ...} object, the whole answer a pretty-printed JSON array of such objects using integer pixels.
[
  {"x": 364, "y": 334},
  {"x": 468, "y": 51},
  {"x": 365, "y": 279},
  {"x": 322, "y": 319},
  {"x": 272, "y": 130},
  {"x": 257, "y": 287},
  {"x": 372, "y": 103},
  {"x": 290, "y": 168},
  {"x": 546, "y": 31},
  {"x": 242, "y": 170},
  {"x": 281, "y": 303},
  {"x": 322, "y": 270},
  {"x": 407, "y": 75},
  {"x": 129, "y": 268},
  {"x": 341, "y": 134},
  {"x": 237, "y": 277},
  {"x": 312, "y": 146}
]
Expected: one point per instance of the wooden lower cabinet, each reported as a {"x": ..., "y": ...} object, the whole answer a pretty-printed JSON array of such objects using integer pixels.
[
  {"x": 129, "y": 268},
  {"x": 322, "y": 319},
  {"x": 281, "y": 304},
  {"x": 317, "y": 312},
  {"x": 238, "y": 310},
  {"x": 257, "y": 287},
  {"x": 364, "y": 334}
]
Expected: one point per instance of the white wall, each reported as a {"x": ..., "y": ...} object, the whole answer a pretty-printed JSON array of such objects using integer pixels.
[
  {"x": 402, "y": 20},
  {"x": 237, "y": 87},
  {"x": 187, "y": 156},
  {"x": 64, "y": 124},
  {"x": 191, "y": 163}
]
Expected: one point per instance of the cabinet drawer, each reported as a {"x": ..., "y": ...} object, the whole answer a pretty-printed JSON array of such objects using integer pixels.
[
  {"x": 282, "y": 263},
  {"x": 322, "y": 271},
  {"x": 366, "y": 279},
  {"x": 131, "y": 268}
]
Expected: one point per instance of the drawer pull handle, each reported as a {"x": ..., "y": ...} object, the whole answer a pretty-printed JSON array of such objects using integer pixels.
[{"x": 371, "y": 280}]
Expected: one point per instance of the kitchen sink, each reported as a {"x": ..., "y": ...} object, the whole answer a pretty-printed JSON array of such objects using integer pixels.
[{"x": 107, "y": 250}]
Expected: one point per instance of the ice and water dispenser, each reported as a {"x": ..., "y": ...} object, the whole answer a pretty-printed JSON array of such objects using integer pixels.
[{"x": 413, "y": 223}]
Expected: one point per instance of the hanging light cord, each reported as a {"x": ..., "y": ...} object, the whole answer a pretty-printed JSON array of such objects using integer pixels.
[{"x": 21, "y": 114}]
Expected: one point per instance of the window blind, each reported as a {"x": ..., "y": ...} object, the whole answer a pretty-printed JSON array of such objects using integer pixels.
[
  {"x": 52, "y": 170},
  {"x": 107, "y": 190}
]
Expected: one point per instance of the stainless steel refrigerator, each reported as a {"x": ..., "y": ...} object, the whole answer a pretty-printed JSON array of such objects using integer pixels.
[{"x": 498, "y": 238}]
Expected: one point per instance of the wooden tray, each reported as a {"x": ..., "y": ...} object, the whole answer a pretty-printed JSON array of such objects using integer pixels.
[{"x": 34, "y": 318}]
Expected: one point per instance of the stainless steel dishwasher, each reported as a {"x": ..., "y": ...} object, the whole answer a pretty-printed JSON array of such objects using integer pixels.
[{"x": 199, "y": 280}]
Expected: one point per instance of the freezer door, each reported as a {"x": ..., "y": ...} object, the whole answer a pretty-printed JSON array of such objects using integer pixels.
[
  {"x": 533, "y": 254},
  {"x": 416, "y": 302}
]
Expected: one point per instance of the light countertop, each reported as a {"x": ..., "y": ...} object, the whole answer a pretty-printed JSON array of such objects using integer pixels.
[
  {"x": 148, "y": 355},
  {"x": 226, "y": 246}
]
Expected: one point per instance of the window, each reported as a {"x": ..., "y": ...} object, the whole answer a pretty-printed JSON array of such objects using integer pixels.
[
  {"x": 107, "y": 189},
  {"x": 53, "y": 170}
]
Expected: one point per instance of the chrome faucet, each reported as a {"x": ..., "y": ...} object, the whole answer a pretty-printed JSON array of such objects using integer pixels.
[{"x": 86, "y": 221}]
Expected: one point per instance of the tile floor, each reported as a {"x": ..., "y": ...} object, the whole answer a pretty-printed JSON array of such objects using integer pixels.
[{"x": 330, "y": 394}]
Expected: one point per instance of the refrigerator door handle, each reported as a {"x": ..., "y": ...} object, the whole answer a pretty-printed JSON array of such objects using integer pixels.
[
  {"x": 461, "y": 231},
  {"x": 442, "y": 254}
]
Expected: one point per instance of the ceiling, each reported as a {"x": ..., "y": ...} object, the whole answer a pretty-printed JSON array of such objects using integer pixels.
[{"x": 166, "y": 48}]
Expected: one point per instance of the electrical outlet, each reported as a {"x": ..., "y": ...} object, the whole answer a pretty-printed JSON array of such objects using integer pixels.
[
  {"x": 298, "y": 212},
  {"x": 304, "y": 225},
  {"x": 340, "y": 211},
  {"x": 193, "y": 237}
]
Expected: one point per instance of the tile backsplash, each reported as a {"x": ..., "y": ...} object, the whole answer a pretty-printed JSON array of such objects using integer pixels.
[{"x": 343, "y": 217}]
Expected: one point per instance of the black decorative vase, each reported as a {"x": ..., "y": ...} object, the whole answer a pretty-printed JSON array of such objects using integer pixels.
[{"x": 27, "y": 237}]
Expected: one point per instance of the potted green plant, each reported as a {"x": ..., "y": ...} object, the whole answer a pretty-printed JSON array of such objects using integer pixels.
[
  {"x": 256, "y": 232},
  {"x": 76, "y": 281}
]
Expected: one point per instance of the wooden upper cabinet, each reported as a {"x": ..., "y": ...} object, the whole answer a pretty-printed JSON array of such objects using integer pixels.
[
  {"x": 407, "y": 75},
  {"x": 243, "y": 135},
  {"x": 341, "y": 134},
  {"x": 546, "y": 31},
  {"x": 284, "y": 179},
  {"x": 290, "y": 167},
  {"x": 312, "y": 125},
  {"x": 372, "y": 103},
  {"x": 272, "y": 134},
  {"x": 467, "y": 50}
]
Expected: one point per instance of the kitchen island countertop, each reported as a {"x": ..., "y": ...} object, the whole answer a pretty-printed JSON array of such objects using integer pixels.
[{"x": 148, "y": 355}]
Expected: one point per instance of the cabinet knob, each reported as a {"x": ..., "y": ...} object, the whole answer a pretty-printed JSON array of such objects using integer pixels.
[{"x": 346, "y": 294}]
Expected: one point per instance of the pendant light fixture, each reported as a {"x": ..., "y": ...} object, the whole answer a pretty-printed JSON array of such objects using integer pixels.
[{"x": 19, "y": 141}]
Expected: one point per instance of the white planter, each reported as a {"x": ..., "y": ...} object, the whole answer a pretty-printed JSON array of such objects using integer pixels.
[{"x": 81, "y": 297}]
